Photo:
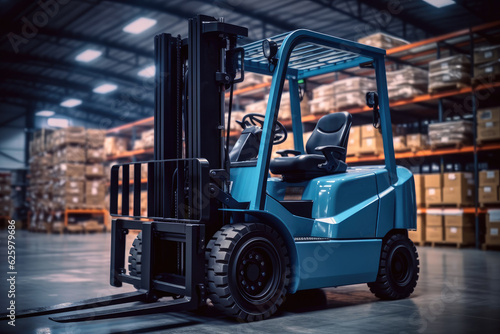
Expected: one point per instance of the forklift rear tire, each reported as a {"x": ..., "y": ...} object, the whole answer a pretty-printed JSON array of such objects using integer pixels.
[
  {"x": 248, "y": 271},
  {"x": 398, "y": 269}
]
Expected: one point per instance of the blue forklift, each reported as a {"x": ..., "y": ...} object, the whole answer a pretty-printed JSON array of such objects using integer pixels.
[{"x": 218, "y": 226}]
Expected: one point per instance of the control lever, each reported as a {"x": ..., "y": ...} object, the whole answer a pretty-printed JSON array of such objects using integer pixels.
[{"x": 372, "y": 102}]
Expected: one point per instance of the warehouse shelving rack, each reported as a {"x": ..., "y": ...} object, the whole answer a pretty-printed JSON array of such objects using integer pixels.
[{"x": 414, "y": 54}]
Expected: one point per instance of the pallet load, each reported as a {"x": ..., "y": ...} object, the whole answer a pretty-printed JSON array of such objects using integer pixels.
[
  {"x": 236, "y": 115},
  {"x": 407, "y": 83},
  {"x": 323, "y": 100},
  {"x": 459, "y": 227},
  {"x": 492, "y": 228},
  {"x": 95, "y": 182},
  {"x": 434, "y": 227},
  {"x": 458, "y": 189},
  {"x": 371, "y": 140},
  {"x": 452, "y": 133},
  {"x": 251, "y": 79},
  {"x": 449, "y": 73},
  {"x": 486, "y": 64},
  {"x": 433, "y": 189},
  {"x": 489, "y": 183},
  {"x": 115, "y": 145},
  {"x": 351, "y": 92},
  {"x": 285, "y": 112},
  {"x": 354, "y": 144},
  {"x": 488, "y": 125},
  {"x": 383, "y": 41},
  {"x": 418, "y": 236},
  {"x": 417, "y": 141},
  {"x": 40, "y": 189}
]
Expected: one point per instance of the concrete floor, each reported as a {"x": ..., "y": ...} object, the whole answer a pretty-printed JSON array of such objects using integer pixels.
[{"x": 458, "y": 292}]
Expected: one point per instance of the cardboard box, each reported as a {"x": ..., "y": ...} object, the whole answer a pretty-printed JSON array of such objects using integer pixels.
[
  {"x": 95, "y": 155},
  {"x": 400, "y": 143},
  {"x": 488, "y": 133},
  {"x": 458, "y": 179},
  {"x": 433, "y": 180},
  {"x": 486, "y": 54},
  {"x": 323, "y": 91},
  {"x": 70, "y": 154},
  {"x": 322, "y": 105},
  {"x": 460, "y": 234},
  {"x": 95, "y": 193},
  {"x": 416, "y": 141},
  {"x": 489, "y": 178},
  {"x": 383, "y": 41},
  {"x": 94, "y": 170},
  {"x": 373, "y": 145},
  {"x": 419, "y": 234},
  {"x": 95, "y": 138},
  {"x": 488, "y": 115},
  {"x": 458, "y": 195},
  {"x": 69, "y": 170},
  {"x": 433, "y": 196},
  {"x": 368, "y": 131},
  {"x": 434, "y": 231},
  {"x": 493, "y": 217},
  {"x": 354, "y": 144},
  {"x": 487, "y": 69},
  {"x": 488, "y": 194},
  {"x": 419, "y": 189}
]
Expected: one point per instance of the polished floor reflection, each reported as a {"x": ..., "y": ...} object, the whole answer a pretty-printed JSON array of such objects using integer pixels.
[{"x": 458, "y": 292}]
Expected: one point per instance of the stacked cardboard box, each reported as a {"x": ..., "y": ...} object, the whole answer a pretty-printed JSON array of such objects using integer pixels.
[
  {"x": 493, "y": 227},
  {"x": 383, "y": 41},
  {"x": 459, "y": 227},
  {"x": 251, "y": 79},
  {"x": 450, "y": 133},
  {"x": 417, "y": 141},
  {"x": 458, "y": 188},
  {"x": 486, "y": 63},
  {"x": 351, "y": 92},
  {"x": 434, "y": 231},
  {"x": 407, "y": 83},
  {"x": 489, "y": 182},
  {"x": 5, "y": 195},
  {"x": 371, "y": 140},
  {"x": 115, "y": 145},
  {"x": 354, "y": 144},
  {"x": 95, "y": 181},
  {"x": 400, "y": 143},
  {"x": 433, "y": 189},
  {"x": 488, "y": 124},
  {"x": 419, "y": 234},
  {"x": 323, "y": 99},
  {"x": 448, "y": 73}
]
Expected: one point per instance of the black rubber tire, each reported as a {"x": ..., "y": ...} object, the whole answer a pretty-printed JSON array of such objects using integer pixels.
[
  {"x": 252, "y": 249},
  {"x": 135, "y": 258},
  {"x": 398, "y": 270}
]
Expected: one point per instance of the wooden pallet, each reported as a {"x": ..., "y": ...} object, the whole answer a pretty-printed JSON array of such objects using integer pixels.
[
  {"x": 490, "y": 247},
  {"x": 449, "y": 244},
  {"x": 454, "y": 145},
  {"x": 447, "y": 205},
  {"x": 494, "y": 205},
  {"x": 450, "y": 86}
]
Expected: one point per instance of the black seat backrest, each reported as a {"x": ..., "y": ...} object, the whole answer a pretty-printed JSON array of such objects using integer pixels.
[{"x": 332, "y": 129}]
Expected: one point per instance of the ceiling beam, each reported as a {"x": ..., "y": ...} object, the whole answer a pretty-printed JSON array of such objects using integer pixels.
[
  {"x": 68, "y": 66},
  {"x": 96, "y": 41},
  {"x": 91, "y": 109},
  {"x": 67, "y": 84}
]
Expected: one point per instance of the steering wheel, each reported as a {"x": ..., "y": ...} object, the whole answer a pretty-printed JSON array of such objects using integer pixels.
[{"x": 280, "y": 132}]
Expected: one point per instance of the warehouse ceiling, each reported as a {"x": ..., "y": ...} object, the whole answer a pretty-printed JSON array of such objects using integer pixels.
[{"x": 41, "y": 40}]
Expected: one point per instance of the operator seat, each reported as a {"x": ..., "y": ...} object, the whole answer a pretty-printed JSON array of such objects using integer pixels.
[{"x": 330, "y": 136}]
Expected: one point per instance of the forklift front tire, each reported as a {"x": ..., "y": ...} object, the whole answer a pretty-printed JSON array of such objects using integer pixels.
[
  {"x": 248, "y": 271},
  {"x": 398, "y": 269}
]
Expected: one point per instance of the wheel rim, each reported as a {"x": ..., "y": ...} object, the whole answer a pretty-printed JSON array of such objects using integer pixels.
[
  {"x": 257, "y": 270},
  {"x": 401, "y": 268}
]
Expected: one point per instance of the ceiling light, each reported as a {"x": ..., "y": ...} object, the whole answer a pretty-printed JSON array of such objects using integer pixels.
[
  {"x": 58, "y": 122},
  {"x": 70, "y": 103},
  {"x": 105, "y": 88},
  {"x": 88, "y": 55},
  {"x": 45, "y": 113},
  {"x": 147, "y": 72},
  {"x": 139, "y": 25},
  {"x": 440, "y": 3}
]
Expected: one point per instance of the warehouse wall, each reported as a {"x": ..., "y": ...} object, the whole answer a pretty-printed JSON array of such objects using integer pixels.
[{"x": 12, "y": 138}]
